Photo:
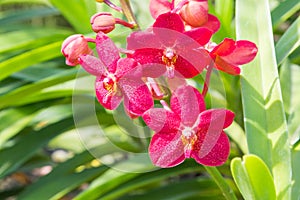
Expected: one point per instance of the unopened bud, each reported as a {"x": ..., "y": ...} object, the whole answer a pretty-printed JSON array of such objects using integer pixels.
[
  {"x": 195, "y": 12},
  {"x": 103, "y": 22},
  {"x": 73, "y": 47}
]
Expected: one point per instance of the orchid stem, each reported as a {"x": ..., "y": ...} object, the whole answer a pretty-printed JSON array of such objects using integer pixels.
[
  {"x": 207, "y": 80},
  {"x": 220, "y": 181},
  {"x": 126, "y": 8}
]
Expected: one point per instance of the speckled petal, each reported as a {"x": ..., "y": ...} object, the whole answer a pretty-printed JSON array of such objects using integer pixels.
[
  {"x": 166, "y": 149},
  {"x": 187, "y": 103},
  {"x": 161, "y": 120},
  {"x": 137, "y": 97},
  {"x": 125, "y": 66},
  {"x": 216, "y": 155},
  {"x": 169, "y": 20},
  {"x": 92, "y": 65},
  {"x": 107, "y": 51},
  {"x": 158, "y": 7}
]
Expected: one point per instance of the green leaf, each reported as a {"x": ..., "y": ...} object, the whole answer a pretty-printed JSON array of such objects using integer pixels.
[
  {"x": 296, "y": 172},
  {"x": 152, "y": 178},
  {"x": 69, "y": 175},
  {"x": 28, "y": 145},
  {"x": 77, "y": 13},
  {"x": 26, "y": 59},
  {"x": 249, "y": 176},
  {"x": 237, "y": 134},
  {"x": 284, "y": 11},
  {"x": 30, "y": 90},
  {"x": 14, "y": 120},
  {"x": 114, "y": 177},
  {"x": 290, "y": 81},
  {"x": 289, "y": 41},
  {"x": 265, "y": 123},
  {"x": 224, "y": 11},
  {"x": 30, "y": 38},
  {"x": 21, "y": 15},
  {"x": 197, "y": 188}
]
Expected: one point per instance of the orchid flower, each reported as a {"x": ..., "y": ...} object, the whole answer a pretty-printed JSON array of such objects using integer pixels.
[
  {"x": 187, "y": 130},
  {"x": 229, "y": 54},
  {"x": 117, "y": 78},
  {"x": 168, "y": 48}
]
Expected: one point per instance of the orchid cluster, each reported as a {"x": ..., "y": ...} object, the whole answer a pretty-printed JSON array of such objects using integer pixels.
[{"x": 175, "y": 48}]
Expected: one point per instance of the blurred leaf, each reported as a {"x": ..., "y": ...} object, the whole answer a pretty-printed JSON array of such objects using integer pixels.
[
  {"x": 28, "y": 145},
  {"x": 113, "y": 177},
  {"x": 23, "y": 1},
  {"x": 77, "y": 13},
  {"x": 290, "y": 81},
  {"x": 30, "y": 38},
  {"x": 249, "y": 175},
  {"x": 224, "y": 11},
  {"x": 14, "y": 120},
  {"x": 289, "y": 41},
  {"x": 237, "y": 134},
  {"x": 265, "y": 123},
  {"x": 69, "y": 175},
  {"x": 29, "y": 90},
  {"x": 284, "y": 10},
  {"x": 21, "y": 15},
  {"x": 198, "y": 188},
  {"x": 296, "y": 172},
  {"x": 26, "y": 59},
  {"x": 150, "y": 178}
]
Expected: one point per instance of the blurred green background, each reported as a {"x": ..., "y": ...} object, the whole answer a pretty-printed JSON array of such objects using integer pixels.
[{"x": 52, "y": 130}]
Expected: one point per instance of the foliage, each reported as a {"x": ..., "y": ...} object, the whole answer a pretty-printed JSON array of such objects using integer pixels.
[{"x": 50, "y": 120}]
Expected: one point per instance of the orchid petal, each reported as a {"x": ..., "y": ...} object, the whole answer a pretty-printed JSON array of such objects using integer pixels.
[
  {"x": 222, "y": 65},
  {"x": 216, "y": 155},
  {"x": 143, "y": 40},
  {"x": 225, "y": 48},
  {"x": 166, "y": 149},
  {"x": 201, "y": 35},
  {"x": 137, "y": 97},
  {"x": 216, "y": 119},
  {"x": 187, "y": 103},
  {"x": 244, "y": 52},
  {"x": 92, "y": 65},
  {"x": 109, "y": 100},
  {"x": 107, "y": 51},
  {"x": 190, "y": 66},
  {"x": 125, "y": 66},
  {"x": 169, "y": 21},
  {"x": 212, "y": 23},
  {"x": 158, "y": 7},
  {"x": 161, "y": 120}
]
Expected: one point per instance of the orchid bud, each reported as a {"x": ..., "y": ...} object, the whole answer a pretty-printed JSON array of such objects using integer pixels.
[
  {"x": 195, "y": 13},
  {"x": 73, "y": 47},
  {"x": 103, "y": 22}
]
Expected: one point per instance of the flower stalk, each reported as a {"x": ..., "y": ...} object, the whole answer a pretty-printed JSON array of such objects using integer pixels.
[
  {"x": 127, "y": 10},
  {"x": 220, "y": 181}
]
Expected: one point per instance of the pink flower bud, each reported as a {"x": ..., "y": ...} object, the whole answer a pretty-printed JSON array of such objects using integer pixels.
[
  {"x": 73, "y": 47},
  {"x": 103, "y": 22},
  {"x": 195, "y": 13}
]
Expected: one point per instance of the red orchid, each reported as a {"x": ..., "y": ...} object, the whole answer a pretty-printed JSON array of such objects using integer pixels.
[
  {"x": 187, "y": 130},
  {"x": 117, "y": 78},
  {"x": 229, "y": 54},
  {"x": 168, "y": 48},
  {"x": 193, "y": 12}
]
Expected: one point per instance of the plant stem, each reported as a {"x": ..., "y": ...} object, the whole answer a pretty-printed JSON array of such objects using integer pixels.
[
  {"x": 220, "y": 181},
  {"x": 125, "y": 5},
  {"x": 207, "y": 79}
]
